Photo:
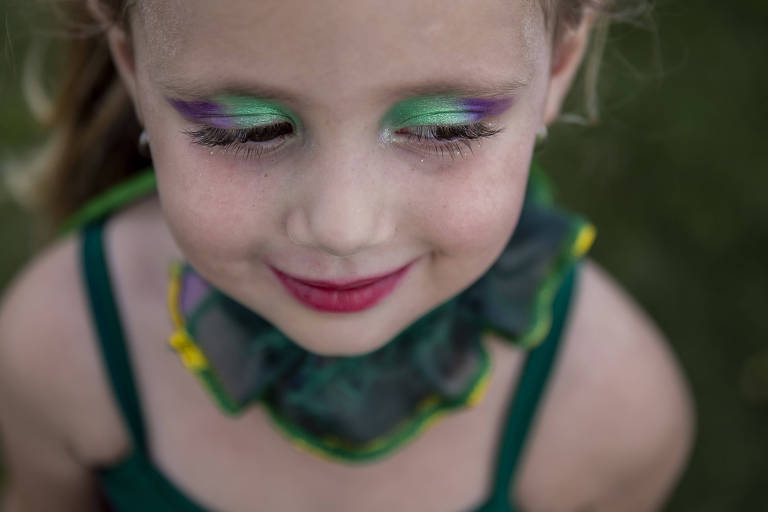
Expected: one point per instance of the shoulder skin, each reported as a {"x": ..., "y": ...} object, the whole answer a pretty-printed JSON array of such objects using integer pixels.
[
  {"x": 617, "y": 426},
  {"x": 613, "y": 434},
  {"x": 53, "y": 393}
]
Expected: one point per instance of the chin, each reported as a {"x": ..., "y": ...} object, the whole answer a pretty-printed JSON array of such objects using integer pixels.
[{"x": 331, "y": 338}]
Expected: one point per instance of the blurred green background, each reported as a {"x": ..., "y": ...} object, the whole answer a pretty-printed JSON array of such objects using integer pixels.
[{"x": 675, "y": 176}]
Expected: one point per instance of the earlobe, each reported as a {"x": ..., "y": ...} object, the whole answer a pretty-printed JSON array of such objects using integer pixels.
[{"x": 566, "y": 59}]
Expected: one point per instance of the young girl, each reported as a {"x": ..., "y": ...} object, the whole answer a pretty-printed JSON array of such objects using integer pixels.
[{"x": 372, "y": 305}]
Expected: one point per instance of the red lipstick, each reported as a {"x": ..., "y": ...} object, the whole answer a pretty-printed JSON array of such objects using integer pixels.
[{"x": 342, "y": 296}]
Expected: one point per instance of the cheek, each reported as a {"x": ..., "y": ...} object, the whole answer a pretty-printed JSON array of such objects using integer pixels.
[
  {"x": 214, "y": 208},
  {"x": 474, "y": 211}
]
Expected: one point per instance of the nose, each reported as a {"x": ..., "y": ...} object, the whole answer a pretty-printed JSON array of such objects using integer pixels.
[{"x": 342, "y": 207}]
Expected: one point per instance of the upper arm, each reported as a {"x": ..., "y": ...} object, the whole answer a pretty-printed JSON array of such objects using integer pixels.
[
  {"x": 645, "y": 411},
  {"x": 617, "y": 425},
  {"x": 36, "y": 360}
]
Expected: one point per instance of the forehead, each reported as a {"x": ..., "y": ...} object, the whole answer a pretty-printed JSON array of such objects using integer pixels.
[{"x": 338, "y": 45}]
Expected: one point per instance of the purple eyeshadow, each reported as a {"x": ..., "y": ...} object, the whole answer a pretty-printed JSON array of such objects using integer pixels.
[
  {"x": 480, "y": 108},
  {"x": 207, "y": 111}
]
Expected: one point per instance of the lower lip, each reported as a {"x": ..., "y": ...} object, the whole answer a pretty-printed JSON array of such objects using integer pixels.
[{"x": 342, "y": 301}]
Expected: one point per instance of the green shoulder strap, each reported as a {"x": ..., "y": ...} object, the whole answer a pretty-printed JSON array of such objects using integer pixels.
[
  {"x": 531, "y": 386},
  {"x": 120, "y": 195}
]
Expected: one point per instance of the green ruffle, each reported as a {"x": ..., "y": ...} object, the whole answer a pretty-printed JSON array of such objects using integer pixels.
[
  {"x": 321, "y": 403},
  {"x": 360, "y": 408}
]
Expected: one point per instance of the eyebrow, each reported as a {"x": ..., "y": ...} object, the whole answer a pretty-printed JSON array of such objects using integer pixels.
[
  {"x": 462, "y": 89},
  {"x": 191, "y": 89}
]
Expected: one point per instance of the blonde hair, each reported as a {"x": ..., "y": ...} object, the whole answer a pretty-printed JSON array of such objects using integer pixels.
[{"x": 92, "y": 143}]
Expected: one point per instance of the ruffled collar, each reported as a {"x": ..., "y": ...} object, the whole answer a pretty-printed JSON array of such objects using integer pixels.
[{"x": 363, "y": 407}]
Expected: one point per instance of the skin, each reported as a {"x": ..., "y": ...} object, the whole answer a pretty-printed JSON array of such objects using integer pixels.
[
  {"x": 339, "y": 201},
  {"x": 348, "y": 196}
]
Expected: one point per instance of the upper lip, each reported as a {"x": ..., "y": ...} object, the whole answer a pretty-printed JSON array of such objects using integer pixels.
[{"x": 341, "y": 284}]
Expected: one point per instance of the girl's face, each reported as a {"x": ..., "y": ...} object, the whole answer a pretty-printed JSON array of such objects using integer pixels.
[{"x": 338, "y": 140}]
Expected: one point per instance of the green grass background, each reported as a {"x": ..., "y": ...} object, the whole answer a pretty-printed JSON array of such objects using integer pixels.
[{"x": 675, "y": 177}]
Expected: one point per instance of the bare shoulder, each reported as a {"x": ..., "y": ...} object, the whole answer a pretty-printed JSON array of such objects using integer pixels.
[
  {"x": 50, "y": 369},
  {"x": 618, "y": 422}
]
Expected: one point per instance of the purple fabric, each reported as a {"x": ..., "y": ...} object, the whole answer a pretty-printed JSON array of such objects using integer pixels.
[{"x": 193, "y": 289}]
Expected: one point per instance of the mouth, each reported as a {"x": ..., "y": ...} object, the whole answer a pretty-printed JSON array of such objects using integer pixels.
[{"x": 342, "y": 296}]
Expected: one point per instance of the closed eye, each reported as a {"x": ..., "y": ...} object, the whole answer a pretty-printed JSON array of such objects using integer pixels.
[
  {"x": 211, "y": 136},
  {"x": 246, "y": 142},
  {"x": 450, "y": 132},
  {"x": 451, "y": 140}
]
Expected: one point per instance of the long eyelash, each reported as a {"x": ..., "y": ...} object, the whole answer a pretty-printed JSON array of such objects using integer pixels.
[
  {"x": 210, "y": 136},
  {"x": 446, "y": 139},
  {"x": 451, "y": 139},
  {"x": 453, "y": 132}
]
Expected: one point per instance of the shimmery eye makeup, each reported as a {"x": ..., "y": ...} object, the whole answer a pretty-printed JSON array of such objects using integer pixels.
[
  {"x": 232, "y": 111},
  {"x": 443, "y": 125},
  {"x": 442, "y": 111},
  {"x": 240, "y": 125},
  {"x": 253, "y": 127}
]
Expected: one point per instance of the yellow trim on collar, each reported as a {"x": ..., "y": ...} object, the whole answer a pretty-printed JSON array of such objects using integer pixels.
[{"x": 190, "y": 354}]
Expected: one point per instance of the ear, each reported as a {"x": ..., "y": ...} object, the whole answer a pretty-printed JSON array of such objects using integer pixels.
[
  {"x": 120, "y": 47},
  {"x": 567, "y": 55}
]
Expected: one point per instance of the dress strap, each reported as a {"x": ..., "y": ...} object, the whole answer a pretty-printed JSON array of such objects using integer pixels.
[
  {"x": 109, "y": 330},
  {"x": 522, "y": 411},
  {"x": 134, "y": 187}
]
